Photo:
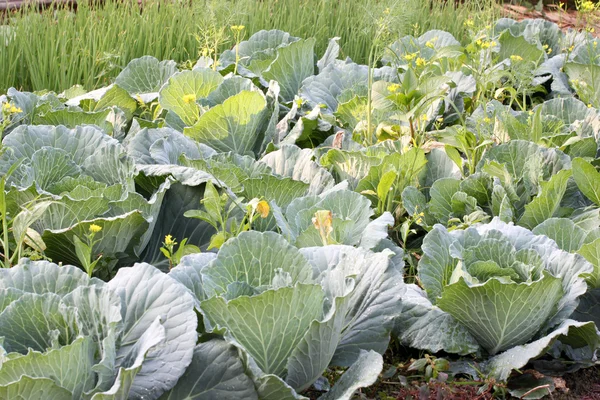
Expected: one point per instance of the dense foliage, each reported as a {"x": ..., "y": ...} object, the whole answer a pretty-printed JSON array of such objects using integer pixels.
[{"x": 240, "y": 228}]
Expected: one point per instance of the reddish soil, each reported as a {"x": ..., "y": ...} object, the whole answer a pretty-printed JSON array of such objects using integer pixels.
[{"x": 564, "y": 19}]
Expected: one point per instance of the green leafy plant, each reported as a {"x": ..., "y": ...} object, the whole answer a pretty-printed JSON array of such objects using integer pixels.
[
  {"x": 174, "y": 256},
  {"x": 222, "y": 212},
  {"x": 85, "y": 249}
]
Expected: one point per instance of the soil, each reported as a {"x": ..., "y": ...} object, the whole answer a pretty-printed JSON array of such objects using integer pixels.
[{"x": 564, "y": 19}]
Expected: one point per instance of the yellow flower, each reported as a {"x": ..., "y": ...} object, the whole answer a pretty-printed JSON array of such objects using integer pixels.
[
  {"x": 263, "y": 209},
  {"x": 469, "y": 23},
  {"x": 431, "y": 43},
  {"x": 393, "y": 88},
  {"x": 549, "y": 50},
  {"x": 419, "y": 221},
  {"x": 589, "y": 106},
  {"x": 571, "y": 48},
  {"x": 386, "y": 11},
  {"x": 95, "y": 228},
  {"x": 189, "y": 98},
  {"x": 485, "y": 44},
  {"x": 15, "y": 110},
  {"x": 6, "y": 106},
  {"x": 516, "y": 58},
  {"x": 169, "y": 240},
  {"x": 237, "y": 28},
  {"x": 424, "y": 118},
  {"x": 590, "y": 29},
  {"x": 420, "y": 62},
  {"x": 487, "y": 120},
  {"x": 410, "y": 57},
  {"x": 587, "y": 6}
]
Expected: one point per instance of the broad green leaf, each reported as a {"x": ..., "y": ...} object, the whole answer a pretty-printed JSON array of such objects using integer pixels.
[
  {"x": 72, "y": 119},
  {"x": 28, "y": 388},
  {"x": 385, "y": 185},
  {"x": 591, "y": 252},
  {"x": 50, "y": 165},
  {"x": 316, "y": 349},
  {"x": 70, "y": 367},
  {"x": 270, "y": 325},
  {"x": 125, "y": 386},
  {"x": 189, "y": 273},
  {"x": 293, "y": 64},
  {"x": 258, "y": 51},
  {"x": 407, "y": 167},
  {"x": 99, "y": 318},
  {"x": 423, "y": 326},
  {"x": 520, "y": 156},
  {"x": 373, "y": 303},
  {"x": 117, "y": 241},
  {"x": 517, "y": 45},
  {"x": 517, "y": 357},
  {"x": 436, "y": 265},
  {"x": 587, "y": 310},
  {"x": 480, "y": 186},
  {"x": 350, "y": 166},
  {"x": 117, "y": 96},
  {"x": 439, "y": 165},
  {"x": 589, "y": 74},
  {"x": 351, "y": 214},
  {"x": 502, "y": 315},
  {"x": 271, "y": 387},
  {"x": 216, "y": 371},
  {"x": 292, "y": 162},
  {"x": 331, "y": 54},
  {"x": 564, "y": 232},
  {"x": 441, "y": 194},
  {"x": 501, "y": 204},
  {"x": 183, "y": 89},
  {"x": 254, "y": 258},
  {"x": 334, "y": 80},
  {"x": 163, "y": 146},
  {"x": 41, "y": 277},
  {"x": 149, "y": 296},
  {"x": 145, "y": 75},
  {"x": 80, "y": 142},
  {"x": 232, "y": 125},
  {"x": 22, "y": 221},
  {"x": 413, "y": 200},
  {"x": 377, "y": 230},
  {"x": 547, "y": 202},
  {"x": 363, "y": 373},
  {"x": 281, "y": 190},
  {"x": 230, "y": 87},
  {"x": 587, "y": 179},
  {"x": 36, "y": 321}
]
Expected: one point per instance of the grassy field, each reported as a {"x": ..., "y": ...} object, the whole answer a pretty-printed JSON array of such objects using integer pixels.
[{"x": 58, "y": 48}]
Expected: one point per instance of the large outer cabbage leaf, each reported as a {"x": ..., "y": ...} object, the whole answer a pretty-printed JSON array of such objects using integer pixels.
[
  {"x": 130, "y": 338},
  {"x": 502, "y": 283}
]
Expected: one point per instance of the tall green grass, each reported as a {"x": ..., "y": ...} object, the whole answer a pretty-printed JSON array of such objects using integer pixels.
[{"x": 57, "y": 48}]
